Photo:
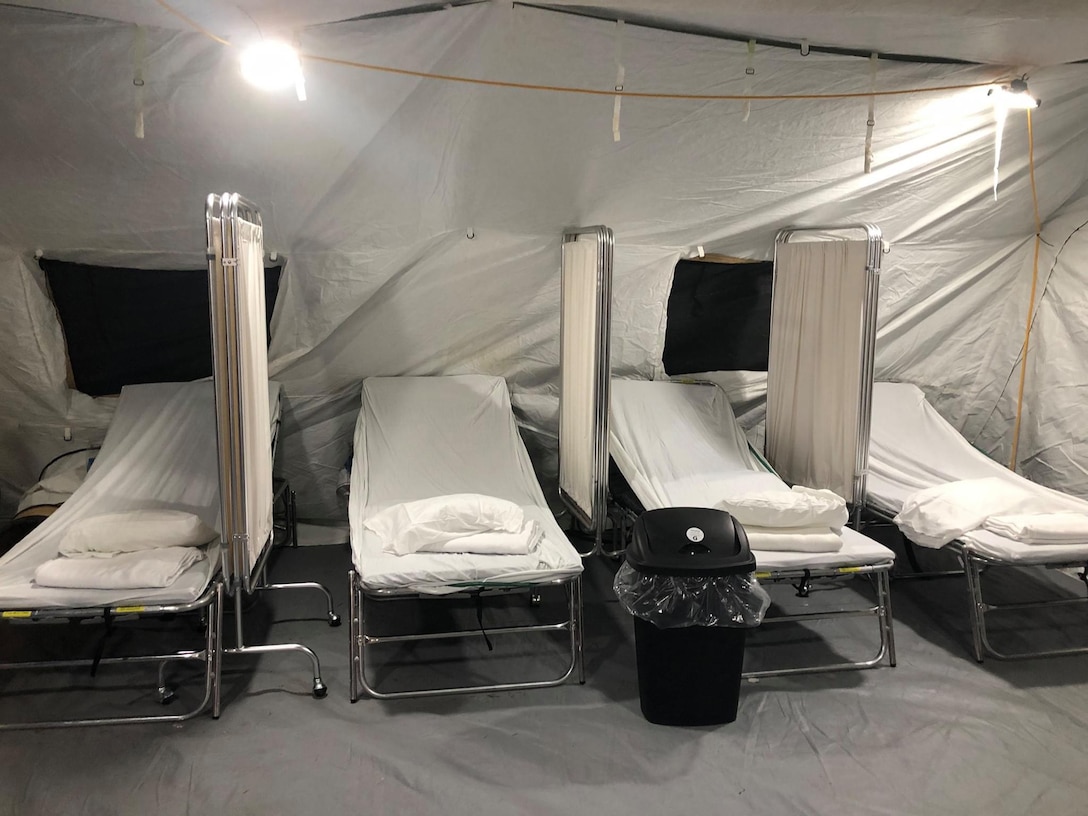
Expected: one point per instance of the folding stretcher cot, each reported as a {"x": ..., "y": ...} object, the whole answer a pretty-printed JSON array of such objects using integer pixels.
[
  {"x": 912, "y": 447},
  {"x": 423, "y": 437},
  {"x": 204, "y": 449},
  {"x": 679, "y": 445},
  {"x": 159, "y": 453}
]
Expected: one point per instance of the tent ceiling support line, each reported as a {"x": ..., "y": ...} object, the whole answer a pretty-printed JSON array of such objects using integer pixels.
[{"x": 717, "y": 34}]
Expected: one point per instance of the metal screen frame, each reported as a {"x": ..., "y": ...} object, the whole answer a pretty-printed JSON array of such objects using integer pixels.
[
  {"x": 866, "y": 363},
  {"x": 222, "y": 215},
  {"x": 593, "y": 517}
]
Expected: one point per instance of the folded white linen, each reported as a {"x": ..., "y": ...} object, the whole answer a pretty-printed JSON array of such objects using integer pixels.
[
  {"x": 937, "y": 515},
  {"x": 412, "y": 526},
  {"x": 107, "y": 535},
  {"x": 149, "y": 569},
  {"x": 793, "y": 539},
  {"x": 1042, "y": 528},
  {"x": 523, "y": 542},
  {"x": 797, "y": 507}
]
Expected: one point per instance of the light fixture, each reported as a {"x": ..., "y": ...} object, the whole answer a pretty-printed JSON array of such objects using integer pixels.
[
  {"x": 1014, "y": 96},
  {"x": 272, "y": 65}
]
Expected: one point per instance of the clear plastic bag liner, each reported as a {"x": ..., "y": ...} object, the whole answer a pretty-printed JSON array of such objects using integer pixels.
[{"x": 673, "y": 601}]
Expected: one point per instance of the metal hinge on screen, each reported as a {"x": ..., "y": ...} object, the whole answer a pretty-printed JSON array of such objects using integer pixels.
[{"x": 230, "y": 262}]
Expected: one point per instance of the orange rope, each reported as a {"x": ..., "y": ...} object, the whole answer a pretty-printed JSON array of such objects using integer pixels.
[
  {"x": 525, "y": 86},
  {"x": 192, "y": 22},
  {"x": 1031, "y": 299}
]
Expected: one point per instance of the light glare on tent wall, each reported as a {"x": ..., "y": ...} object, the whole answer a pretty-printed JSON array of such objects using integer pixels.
[
  {"x": 271, "y": 65},
  {"x": 1014, "y": 96}
]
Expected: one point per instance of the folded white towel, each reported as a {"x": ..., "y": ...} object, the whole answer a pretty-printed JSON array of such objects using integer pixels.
[
  {"x": 107, "y": 535},
  {"x": 797, "y": 507},
  {"x": 150, "y": 569},
  {"x": 1043, "y": 528},
  {"x": 793, "y": 539},
  {"x": 523, "y": 542}
]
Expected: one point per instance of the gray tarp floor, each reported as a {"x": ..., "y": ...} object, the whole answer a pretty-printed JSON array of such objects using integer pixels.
[{"x": 940, "y": 734}]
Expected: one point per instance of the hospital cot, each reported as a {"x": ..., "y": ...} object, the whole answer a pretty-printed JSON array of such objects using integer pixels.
[
  {"x": 912, "y": 448},
  {"x": 679, "y": 445},
  {"x": 423, "y": 437}
]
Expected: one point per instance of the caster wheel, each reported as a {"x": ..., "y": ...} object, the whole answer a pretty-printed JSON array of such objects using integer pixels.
[
  {"x": 166, "y": 696},
  {"x": 320, "y": 690},
  {"x": 334, "y": 620}
]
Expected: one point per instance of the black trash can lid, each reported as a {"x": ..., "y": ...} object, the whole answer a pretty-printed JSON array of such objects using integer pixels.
[{"x": 689, "y": 541}]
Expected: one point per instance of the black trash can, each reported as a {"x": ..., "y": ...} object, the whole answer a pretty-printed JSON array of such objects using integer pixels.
[{"x": 688, "y": 579}]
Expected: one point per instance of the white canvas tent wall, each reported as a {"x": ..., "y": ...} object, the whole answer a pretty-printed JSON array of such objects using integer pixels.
[{"x": 372, "y": 187}]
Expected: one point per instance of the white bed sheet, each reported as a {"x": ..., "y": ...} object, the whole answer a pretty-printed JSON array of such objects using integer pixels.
[
  {"x": 421, "y": 437},
  {"x": 679, "y": 445},
  {"x": 160, "y": 453},
  {"x": 912, "y": 447}
]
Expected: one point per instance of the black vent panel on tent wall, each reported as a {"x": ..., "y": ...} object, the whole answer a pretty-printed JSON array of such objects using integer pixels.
[
  {"x": 719, "y": 317},
  {"x": 126, "y": 326}
]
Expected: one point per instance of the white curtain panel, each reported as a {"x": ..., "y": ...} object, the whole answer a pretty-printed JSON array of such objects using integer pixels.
[
  {"x": 579, "y": 390},
  {"x": 253, "y": 391},
  {"x": 814, "y": 374}
]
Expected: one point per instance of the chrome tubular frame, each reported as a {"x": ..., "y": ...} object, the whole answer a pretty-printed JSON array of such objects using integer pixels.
[
  {"x": 874, "y": 240},
  {"x": 362, "y": 641},
  {"x": 209, "y": 605},
  {"x": 974, "y": 565},
  {"x": 594, "y": 517},
  {"x": 222, "y": 215},
  {"x": 879, "y": 574}
]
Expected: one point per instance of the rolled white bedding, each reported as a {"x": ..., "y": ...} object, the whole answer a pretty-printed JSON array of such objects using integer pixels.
[
  {"x": 1043, "y": 528},
  {"x": 794, "y": 539},
  {"x": 456, "y": 523},
  {"x": 798, "y": 507},
  {"x": 148, "y": 569}
]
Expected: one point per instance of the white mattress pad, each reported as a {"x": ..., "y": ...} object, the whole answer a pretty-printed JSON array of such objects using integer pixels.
[
  {"x": 679, "y": 445},
  {"x": 421, "y": 437},
  {"x": 912, "y": 447}
]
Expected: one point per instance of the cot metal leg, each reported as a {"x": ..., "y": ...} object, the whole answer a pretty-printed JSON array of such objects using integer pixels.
[
  {"x": 333, "y": 618},
  {"x": 975, "y": 602},
  {"x": 577, "y": 613},
  {"x": 884, "y": 591},
  {"x": 355, "y": 637},
  {"x": 217, "y": 651}
]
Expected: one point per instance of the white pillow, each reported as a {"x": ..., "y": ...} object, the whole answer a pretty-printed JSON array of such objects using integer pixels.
[
  {"x": 409, "y": 527},
  {"x": 797, "y": 507},
  {"x": 107, "y": 535}
]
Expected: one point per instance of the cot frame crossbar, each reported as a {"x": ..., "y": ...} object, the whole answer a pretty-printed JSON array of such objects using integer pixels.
[{"x": 362, "y": 641}]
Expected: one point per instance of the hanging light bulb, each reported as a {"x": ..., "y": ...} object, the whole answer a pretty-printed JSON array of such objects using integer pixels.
[
  {"x": 272, "y": 65},
  {"x": 1014, "y": 96}
]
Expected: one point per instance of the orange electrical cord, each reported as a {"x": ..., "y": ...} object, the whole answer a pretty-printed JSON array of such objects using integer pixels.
[{"x": 1031, "y": 299}]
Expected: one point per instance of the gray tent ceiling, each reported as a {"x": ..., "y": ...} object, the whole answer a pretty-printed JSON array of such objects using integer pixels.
[{"x": 1019, "y": 33}]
